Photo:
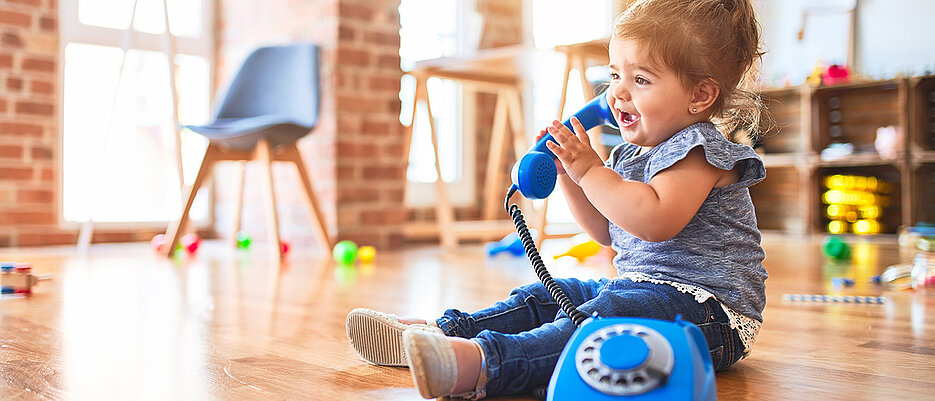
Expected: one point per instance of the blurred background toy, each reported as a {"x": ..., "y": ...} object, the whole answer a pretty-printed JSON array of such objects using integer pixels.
[
  {"x": 582, "y": 247},
  {"x": 855, "y": 299},
  {"x": 191, "y": 242},
  {"x": 855, "y": 203},
  {"x": 897, "y": 277},
  {"x": 836, "y": 249},
  {"x": 814, "y": 79},
  {"x": 243, "y": 240},
  {"x": 835, "y": 74},
  {"x": 839, "y": 282},
  {"x": 888, "y": 142},
  {"x": 16, "y": 278},
  {"x": 345, "y": 252},
  {"x": 284, "y": 245},
  {"x": 923, "y": 269},
  {"x": 510, "y": 243},
  {"x": 158, "y": 241},
  {"x": 366, "y": 254}
]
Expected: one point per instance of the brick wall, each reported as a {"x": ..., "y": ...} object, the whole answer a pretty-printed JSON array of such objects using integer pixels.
[
  {"x": 355, "y": 155},
  {"x": 29, "y": 137}
]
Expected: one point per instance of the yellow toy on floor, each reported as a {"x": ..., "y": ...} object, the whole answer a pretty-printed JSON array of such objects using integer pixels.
[{"x": 582, "y": 247}]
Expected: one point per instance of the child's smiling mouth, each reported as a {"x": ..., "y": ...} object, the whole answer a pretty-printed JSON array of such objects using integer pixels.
[{"x": 627, "y": 120}]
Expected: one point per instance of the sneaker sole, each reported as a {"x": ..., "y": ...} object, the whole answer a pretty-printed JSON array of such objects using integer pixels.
[{"x": 376, "y": 340}]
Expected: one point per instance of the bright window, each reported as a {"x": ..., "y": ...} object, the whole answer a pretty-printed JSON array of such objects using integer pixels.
[
  {"x": 137, "y": 161},
  {"x": 432, "y": 29}
]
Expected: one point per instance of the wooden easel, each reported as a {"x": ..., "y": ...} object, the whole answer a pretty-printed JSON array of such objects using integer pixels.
[
  {"x": 497, "y": 71},
  {"x": 87, "y": 227}
]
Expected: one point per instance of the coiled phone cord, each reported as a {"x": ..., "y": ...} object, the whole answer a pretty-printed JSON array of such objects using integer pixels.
[{"x": 577, "y": 316}]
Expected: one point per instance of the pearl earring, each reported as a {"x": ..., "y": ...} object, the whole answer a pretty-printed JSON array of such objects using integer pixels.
[{"x": 694, "y": 109}]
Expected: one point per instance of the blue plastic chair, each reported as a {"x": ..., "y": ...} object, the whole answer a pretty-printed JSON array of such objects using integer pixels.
[
  {"x": 275, "y": 95},
  {"x": 272, "y": 101}
]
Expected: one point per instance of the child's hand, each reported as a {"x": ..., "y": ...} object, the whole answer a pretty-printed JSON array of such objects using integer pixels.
[
  {"x": 576, "y": 154},
  {"x": 558, "y": 164}
]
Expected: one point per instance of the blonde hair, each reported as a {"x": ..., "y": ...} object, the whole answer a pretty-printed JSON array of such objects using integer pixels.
[{"x": 715, "y": 40}]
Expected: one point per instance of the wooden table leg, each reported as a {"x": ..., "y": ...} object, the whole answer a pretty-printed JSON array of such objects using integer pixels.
[
  {"x": 444, "y": 210},
  {"x": 495, "y": 155}
]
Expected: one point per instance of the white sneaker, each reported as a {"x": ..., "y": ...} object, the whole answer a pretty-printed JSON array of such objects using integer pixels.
[
  {"x": 377, "y": 336},
  {"x": 432, "y": 363}
]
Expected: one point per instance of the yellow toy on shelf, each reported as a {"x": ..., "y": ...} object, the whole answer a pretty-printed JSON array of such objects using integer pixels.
[
  {"x": 855, "y": 203},
  {"x": 582, "y": 248}
]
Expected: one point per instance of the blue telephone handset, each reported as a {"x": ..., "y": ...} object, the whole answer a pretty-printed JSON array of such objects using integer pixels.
[{"x": 534, "y": 174}]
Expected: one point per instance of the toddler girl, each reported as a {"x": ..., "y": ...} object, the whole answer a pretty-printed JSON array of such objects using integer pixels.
[{"x": 672, "y": 201}]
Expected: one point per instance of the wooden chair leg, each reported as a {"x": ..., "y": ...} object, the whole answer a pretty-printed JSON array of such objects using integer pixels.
[
  {"x": 174, "y": 230},
  {"x": 265, "y": 157},
  {"x": 292, "y": 154},
  {"x": 238, "y": 201}
]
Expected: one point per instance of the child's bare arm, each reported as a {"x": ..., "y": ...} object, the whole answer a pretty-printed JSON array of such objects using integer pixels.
[
  {"x": 655, "y": 211},
  {"x": 659, "y": 210},
  {"x": 586, "y": 215}
]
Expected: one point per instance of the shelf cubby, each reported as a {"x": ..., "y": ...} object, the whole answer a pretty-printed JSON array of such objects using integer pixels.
[
  {"x": 778, "y": 200},
  {"x": 782, "y": 132},
  {"x": 853, "y": 113},
  {"x": 924, "y": 194},
  {"x": 888, "y": 193},
  {"x": 922, "y": 119},
  {"x": 803, "y": 121}
]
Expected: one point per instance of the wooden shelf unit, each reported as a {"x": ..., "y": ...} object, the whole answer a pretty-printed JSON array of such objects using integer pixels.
[
  {"x": 922, "y": 147},
  {"x": 804, "y": 120}
]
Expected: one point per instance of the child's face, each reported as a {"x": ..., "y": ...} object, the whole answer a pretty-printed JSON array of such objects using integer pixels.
[{"x": 648, "y": 100}]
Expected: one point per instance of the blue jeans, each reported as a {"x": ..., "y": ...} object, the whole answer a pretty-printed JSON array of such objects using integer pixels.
[{"x": 523, "y": 335}]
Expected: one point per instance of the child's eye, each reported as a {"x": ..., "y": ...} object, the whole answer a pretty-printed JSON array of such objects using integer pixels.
[
  {"x": 641, "y": 81},
  {"x": 614, "y": 76}
]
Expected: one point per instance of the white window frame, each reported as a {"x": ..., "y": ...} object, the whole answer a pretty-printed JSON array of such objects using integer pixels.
[
  {"x": 71, "y": 30},
  {"x": 461, "y": 192}
]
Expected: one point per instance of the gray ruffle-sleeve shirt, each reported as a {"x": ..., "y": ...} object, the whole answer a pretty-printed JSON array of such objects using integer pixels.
[{"x": 719, "y": 250}]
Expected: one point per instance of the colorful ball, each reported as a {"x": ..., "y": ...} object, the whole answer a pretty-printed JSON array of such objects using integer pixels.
[
  {"x": 366, "y": 253},
  {"x": 345, "y": 252},
  {"x": 834, "y": 248},
  {"x": 243, "y": 240},
  {"x": 191, "y": 242},
  {"x": 158, "y": 241},
  {"x": 284, "y": 245}
]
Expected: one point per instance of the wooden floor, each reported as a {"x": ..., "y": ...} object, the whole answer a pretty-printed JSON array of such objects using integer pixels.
[{"x": 122, "y": 323}]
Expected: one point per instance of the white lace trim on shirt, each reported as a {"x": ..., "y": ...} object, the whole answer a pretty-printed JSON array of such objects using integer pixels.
[{"x": 748, "y": 328}]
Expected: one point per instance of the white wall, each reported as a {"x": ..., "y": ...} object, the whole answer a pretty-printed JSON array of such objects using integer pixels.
[{"x": 893, "y": 37}]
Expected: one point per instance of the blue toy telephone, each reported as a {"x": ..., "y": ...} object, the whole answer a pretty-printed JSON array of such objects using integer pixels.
[
  {"x": 634, "y": 359},
  {"x": 534, "y": 174},
  {"x": 613, "y": 358}
]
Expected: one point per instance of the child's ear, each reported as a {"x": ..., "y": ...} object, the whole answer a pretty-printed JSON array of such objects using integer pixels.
[{"x": 703, "y": 96}]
